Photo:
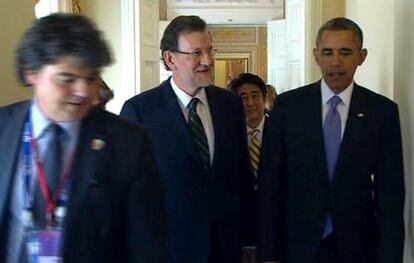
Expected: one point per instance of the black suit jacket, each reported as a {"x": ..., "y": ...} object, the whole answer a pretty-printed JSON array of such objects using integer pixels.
[
  {"x": 365, "y": 198},
  {"x": 116, "y": 211},
  {"x": 265, "y": 144},
  {"x": 204, "y": 210}
]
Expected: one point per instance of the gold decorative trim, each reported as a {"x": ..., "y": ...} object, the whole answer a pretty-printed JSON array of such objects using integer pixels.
[
  {"x": 75, "y": 6},
  {"x": 234, "y": 34},
  {"x": 251, "y": 41}
]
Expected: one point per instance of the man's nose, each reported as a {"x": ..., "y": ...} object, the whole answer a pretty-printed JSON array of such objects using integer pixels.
[
  {"x": 207, "y": 59},
  {"x": 83, "y": 87},
  {"x": 249, "y": 101},
  {"x": 336, "y": 59}
]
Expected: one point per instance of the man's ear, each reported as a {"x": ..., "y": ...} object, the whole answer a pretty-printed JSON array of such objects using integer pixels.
[
  {"x": 169, "y": 59},
  {"x": 30, "y": 76},
  {"x": 363, "y": 53},
  {"x": 316, "y": 55}
]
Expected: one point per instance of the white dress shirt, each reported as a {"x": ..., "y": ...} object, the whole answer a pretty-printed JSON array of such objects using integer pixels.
[
  {"x": 260, "y": 128},
  {"x": 343, "y": 106}
]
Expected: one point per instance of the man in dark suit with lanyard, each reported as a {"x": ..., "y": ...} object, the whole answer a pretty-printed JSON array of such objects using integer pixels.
[
  {"x": 199, "y": 135},
  {"x": 333, "y": 190},
  {"x": 70, "y": 191}
]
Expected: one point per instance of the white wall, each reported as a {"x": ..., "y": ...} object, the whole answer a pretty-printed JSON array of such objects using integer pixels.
[
  {"x": 404, "y": 96},
  {"x": 377, "y": 72},
  {"x": 389, "y": 70},
  {"x": 15, "y": 17},
  {"x": 107, "y": 15}
]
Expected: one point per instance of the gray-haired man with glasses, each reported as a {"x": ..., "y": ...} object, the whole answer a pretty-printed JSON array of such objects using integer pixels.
[{"x": 200, "y": 139}]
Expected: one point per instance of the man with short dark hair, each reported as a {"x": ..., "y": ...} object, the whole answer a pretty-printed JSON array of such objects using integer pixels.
[
  {"x": 333, "y": 190},
  {"x": 200, "y": 143},
  {"x": 253, "y": 91},
  {"x": 70, "y": 191}
]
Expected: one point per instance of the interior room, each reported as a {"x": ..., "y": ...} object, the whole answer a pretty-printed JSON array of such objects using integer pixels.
[{"x": 272, "y": 38}]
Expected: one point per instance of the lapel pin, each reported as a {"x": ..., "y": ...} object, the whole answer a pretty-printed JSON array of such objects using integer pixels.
[
  {"x": 360, "y": 115},
  {"x": 97, "y": 144}
]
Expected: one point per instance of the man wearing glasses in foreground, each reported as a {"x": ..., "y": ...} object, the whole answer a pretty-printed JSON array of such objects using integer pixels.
[{"x": 200, "y": 139}]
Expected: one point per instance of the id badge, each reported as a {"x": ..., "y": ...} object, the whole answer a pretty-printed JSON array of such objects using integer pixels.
[{"x": 44, "y": 246}]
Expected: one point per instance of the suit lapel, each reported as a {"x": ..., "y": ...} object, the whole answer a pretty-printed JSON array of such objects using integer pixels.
[
  {"x": 353, "y": 127},
  {"x": 10, "y": 145},
  {"x": 172, "y": 114},
  {"x": 218, "y": 118},
  {"x": 90, "y": 159},
  {"x": 265, "y": 142},
  {"x": 313, "y": 125}
]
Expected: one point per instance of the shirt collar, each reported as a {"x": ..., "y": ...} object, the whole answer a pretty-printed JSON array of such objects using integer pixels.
[
  {"x": 345, "y": 95},
  {"x": 184, "y": 98},
  {"x": 40, "y": 122},
  {"x": 259, "y": 127}
]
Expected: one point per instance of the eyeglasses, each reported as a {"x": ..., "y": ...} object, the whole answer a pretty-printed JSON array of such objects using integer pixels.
[{"x": 199, "y": 53}]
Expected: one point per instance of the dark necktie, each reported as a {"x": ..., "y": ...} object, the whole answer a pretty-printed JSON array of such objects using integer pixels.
[
  {"x": 52, "y": 164},
  {"x": 199, "y": 135},
  {"x": 53, "y": 157},
  {"x": 332, "y": 136}
]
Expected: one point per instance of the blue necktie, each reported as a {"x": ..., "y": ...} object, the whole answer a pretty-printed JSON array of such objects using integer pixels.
[
  {"x": 199, "y": 135},
  {"x": 332, "y": 135}
]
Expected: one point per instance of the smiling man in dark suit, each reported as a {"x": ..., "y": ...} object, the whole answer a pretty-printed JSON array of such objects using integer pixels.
[
  {"x": 253, "y": 91},
  {"x": 333, "y": 190},
  {"x": 70, "y": 191},
  {"x": 200, "y": 143}
]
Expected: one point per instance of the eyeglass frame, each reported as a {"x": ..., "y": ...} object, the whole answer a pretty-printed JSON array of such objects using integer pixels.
[{"x": 199, "y": 53}]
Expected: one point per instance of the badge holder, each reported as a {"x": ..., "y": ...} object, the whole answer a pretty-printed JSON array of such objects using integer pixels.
[{"x": 45, "y": 245}]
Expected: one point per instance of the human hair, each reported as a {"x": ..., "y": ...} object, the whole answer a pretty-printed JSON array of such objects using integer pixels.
[
  {"x": 271, "y": 96},
  {"x": 247, "y": 78},
  {"x": 341, "y": 23},
  {"x": 58, "y": 35},
  {"x": 105, "y": 94},
  {"x": 179, "y": 25}
]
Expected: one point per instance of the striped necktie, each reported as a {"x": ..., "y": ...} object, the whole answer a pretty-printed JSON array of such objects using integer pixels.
[
  {"x": 199, "y": 135},
  {"x": 254, "y": 150}
]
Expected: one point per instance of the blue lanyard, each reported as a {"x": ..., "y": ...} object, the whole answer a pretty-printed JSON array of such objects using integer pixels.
[{"x": 27, "y": 171}]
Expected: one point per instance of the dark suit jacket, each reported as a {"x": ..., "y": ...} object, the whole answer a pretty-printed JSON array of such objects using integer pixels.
[
  {"x": 203, "y": 209},
  {"x": 365, "y": 198},
  {"x": 265, "y": 144},
  {"x": 116, "y": 211}
]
